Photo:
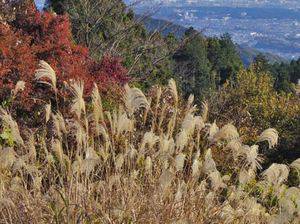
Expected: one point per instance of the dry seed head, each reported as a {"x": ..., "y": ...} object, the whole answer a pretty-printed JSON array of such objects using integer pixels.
[
  {"x": 149, "y": 139},
  {"x": 190, "y": 100},
  {"x": 58, "y": 151},
  {"x": 166, "y": 178},
  {"x": 189, "y": 124},
  {"x": 179, "y": 162},
  {"x": 148, "y": 164},
  {"x": 296, "y": 164},
  {"x": 9, "y": 123},
  {"x": 213, "y": 129},
  {"x": 59, "y": 124},
  {"x": 199, "y": 123},
  {"x": 245, "y": 176},
  {"x": 97, "y": 105},
  {"x": 270, "y": 135},
  {"x": 235, "y": 146},
  {"x": 119, "y": 161},
  {"x": 166, "y": 144},
  {"x": 252, "y": 156},
  {"x": 47, "y": 112},
  {"x": 216, "y": 180},
  {"x": 204, "y": 111},
  {"x": 196, "y": 168},
  {"x": 190, "y": 108},
  {"x": 182, "y": 139},
  {"x": 209, "y": 164},
  {"x": 158, "y": 95},
  {"x": 31, "y": 146},
  {"x": 20, "y": 86},
  {"x": 173, "y": 89},
  {"x": 134, "y": 99},
  {"x": 46, "y": 72},
  {"x": 7, "y": 158},
  {"x": 78, "y": 102},
  {"x": 181, "y": 191},
  {"x": 276, "y": 174},
  {"x": 227, "y": 132},
  {"x": 80, "y": 134},
  {"x": 124, "y": 124},
  {"x": 228, "y": 213}
]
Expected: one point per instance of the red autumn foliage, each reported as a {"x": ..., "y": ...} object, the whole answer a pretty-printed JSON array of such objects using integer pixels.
[{"x": 35, "y": 36}]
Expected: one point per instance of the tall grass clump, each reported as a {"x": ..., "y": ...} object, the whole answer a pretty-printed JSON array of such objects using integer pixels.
[{"x": 153, "y": 158}]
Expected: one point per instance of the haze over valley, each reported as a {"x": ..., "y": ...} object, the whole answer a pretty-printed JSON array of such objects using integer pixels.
[{"x": 268, "y": 26}]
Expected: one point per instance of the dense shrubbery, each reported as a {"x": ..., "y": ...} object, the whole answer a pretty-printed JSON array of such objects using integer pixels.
[
  {"x": 252, "y": 104},
  {"x": 44, "y": 36}
]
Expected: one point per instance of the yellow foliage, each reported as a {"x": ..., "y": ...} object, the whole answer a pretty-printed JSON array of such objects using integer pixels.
[{"x": 252, "y": 104}]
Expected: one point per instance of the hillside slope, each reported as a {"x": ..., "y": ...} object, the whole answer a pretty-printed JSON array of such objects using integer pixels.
[{"x": 246, "y": 53}]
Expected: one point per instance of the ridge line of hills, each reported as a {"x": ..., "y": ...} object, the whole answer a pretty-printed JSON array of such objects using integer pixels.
[{"x": 246, "y": 53}]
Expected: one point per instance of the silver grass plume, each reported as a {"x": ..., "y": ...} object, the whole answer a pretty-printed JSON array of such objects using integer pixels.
[
  {"x": 227, "y": 132},
  {"x": 209, "y": 164},
  {"x": 7, "y": 158},
  {"x": 204, "y": 111},
  {"x": 97, "y": 105},
  {"x": 173, "y": 89},
  {"x": 149, "y": 139},
  {"x": 236, "y": 148},
  {"x": 296, "y": 164},
  {"x": 199, "y": 124},
  {"x": 59, "y": 124},
  {"x": 78, "y": 105},
  {"x": 32, "y": 150},
  {"x": 182, "y": 139},
  {"x": 196, "y": 167},
  {"x": 9, "y": 123},
  {"x": 213, "y": 129},
  {"x": 252, "y": 157},
  {"x": 190, "y": 108},
  {"x": 47, "y": 112},
  {"x": 58, "y": 151},
  {"x": 270, "y": 135},
  {"x": 228, "y": 213},
  {"x": 189, "y": 123},
  {"x": 166, "y": 145},
  {"x": 119, "y": 161},
  {"x": 46, "y": 72},
  {"x": 245, "y": 176},
  {"x": 20, "y": 86},
  {"x": 181, "y": 191},
  {"x": 276, "y": 174},
  {"x": 123, "y": 124},
  {"x": 179, "y": 162},
  {"x": 216, "y": 180},
  {"x": 134, "y": 99},
  {"x": 289, "y": 203},
  {"x": 166, "y": 179},
  {"x": 148, "y": 164}
]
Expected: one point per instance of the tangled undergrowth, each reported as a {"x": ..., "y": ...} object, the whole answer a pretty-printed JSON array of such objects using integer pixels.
[{"x": 154, "y": 159}]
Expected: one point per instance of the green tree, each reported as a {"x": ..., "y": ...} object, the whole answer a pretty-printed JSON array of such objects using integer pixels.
[
  {"x": 193, "y": 65},
  {"x": 224, "y": 57},
  {"x": 109, "y": 27}
]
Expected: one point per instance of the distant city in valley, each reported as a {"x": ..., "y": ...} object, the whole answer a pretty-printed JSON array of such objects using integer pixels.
[{"x": 269, "y": 26}]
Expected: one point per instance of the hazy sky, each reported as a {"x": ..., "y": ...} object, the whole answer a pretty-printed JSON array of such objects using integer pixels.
[
  {"x": 296, "y": 3},
  {"x": 40, "y": 3}
]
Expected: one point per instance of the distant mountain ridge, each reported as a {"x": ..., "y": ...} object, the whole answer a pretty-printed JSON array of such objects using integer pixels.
[{"x": 246, "y": 53}]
